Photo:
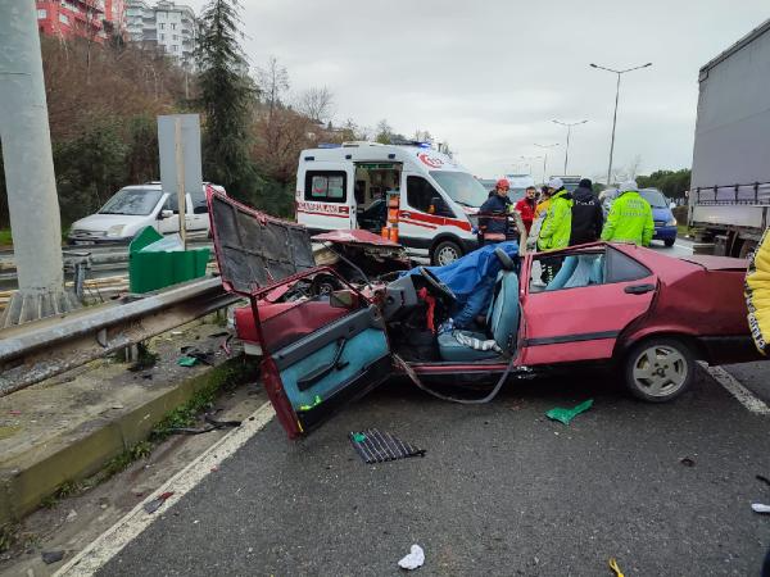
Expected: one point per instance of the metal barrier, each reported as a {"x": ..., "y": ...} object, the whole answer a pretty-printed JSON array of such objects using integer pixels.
[{"x": 37, "y": 351}]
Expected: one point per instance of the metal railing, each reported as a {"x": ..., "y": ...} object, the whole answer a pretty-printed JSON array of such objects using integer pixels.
[{"x": 33, "y": 352}]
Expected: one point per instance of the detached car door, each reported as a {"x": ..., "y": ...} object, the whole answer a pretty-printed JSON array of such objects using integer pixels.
[
  {"x": 581, "y": 313},
  {"x": 319, "y": 352}
]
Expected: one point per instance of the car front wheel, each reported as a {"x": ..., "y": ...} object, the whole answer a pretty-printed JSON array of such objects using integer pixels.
[
  {"x": 446, "y": 252},
  {"x": 659, "y": 369},
  {"x": 669, "y": 242}
]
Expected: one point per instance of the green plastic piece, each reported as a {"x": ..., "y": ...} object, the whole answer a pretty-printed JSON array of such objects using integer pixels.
[
  {"x": 150, "y": 270},
  {"x": 187, "y": 362},
  {"x": 317, "y": 401},
  {"x": 566, "y": 415},
  {"x": 359, "y": 437}
]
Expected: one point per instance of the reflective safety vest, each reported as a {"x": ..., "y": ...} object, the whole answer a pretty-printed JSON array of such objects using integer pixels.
[
  {"x": 758, "y": 294},
  {"x": 557, "y": 226},
  {"x": 629, "y": 220}
]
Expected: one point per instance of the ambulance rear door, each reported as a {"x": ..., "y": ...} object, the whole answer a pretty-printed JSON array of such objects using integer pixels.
[{"x": 325, "y": 199}]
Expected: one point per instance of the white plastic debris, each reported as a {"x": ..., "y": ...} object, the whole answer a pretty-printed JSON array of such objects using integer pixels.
[
  {"x": 414, "y": 560},
  {"x": 760, "y": 508}
]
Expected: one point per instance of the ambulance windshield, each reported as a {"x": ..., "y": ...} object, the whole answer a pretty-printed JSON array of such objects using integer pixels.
[{"x": 461, "y": 187}]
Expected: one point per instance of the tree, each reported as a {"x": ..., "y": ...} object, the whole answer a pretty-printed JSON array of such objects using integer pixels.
[
  {"x": 672, "y": 183},
  {"x": 384, "y": 132},
  {"x": 317, "y": 104},
  {"x": 273, "y": 81},
  {"x": 226, "y": 96}
]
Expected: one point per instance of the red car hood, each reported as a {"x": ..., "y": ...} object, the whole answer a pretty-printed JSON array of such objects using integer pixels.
[{"x": 718, "y": 262}]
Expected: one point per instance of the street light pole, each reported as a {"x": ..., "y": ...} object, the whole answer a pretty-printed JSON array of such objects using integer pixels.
[
  {"x": 545, "y": 157},
  {"x": 615, "y": 114},
  {"x": 569, "y": 126}
]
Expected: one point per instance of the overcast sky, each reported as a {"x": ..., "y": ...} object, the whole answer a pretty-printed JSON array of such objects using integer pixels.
[{"x": 488, "y": 76}]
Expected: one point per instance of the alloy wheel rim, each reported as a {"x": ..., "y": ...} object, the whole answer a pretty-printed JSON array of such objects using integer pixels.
[
  {"x": 447, "y": 255},
  {"x": 660, "y": 371}
]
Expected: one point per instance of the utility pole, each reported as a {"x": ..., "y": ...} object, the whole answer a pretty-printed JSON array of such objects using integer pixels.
[
  {"x": 545, "y": 157},
  {"x": 569, "y": 126},
  {"x": 615, "y": 114},
  {"x": 29, "y": 175}
]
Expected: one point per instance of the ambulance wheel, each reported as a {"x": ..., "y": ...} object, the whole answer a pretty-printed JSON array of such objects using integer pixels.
[
  {"x": 659, "y": 369},
  {"x": 669, "y": 242},
  {"x": 445, "y": 252}
]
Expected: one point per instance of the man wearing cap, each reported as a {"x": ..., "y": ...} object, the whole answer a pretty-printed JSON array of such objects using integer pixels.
[
  {"x": 493, "y": 214},
  {"x": 630, "y": 217},
  {"x": 557, "y": 226}
]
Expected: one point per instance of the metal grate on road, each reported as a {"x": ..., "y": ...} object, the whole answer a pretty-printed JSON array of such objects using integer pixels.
[{"x": 376, "y": 447}]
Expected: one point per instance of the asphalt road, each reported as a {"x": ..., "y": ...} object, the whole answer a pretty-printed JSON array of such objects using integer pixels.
[{"x": 501, "y": 491}]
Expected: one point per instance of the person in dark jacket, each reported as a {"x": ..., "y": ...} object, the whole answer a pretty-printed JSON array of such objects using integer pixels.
[
  {"x": 587, "y": 216},
  {"x": 493, "y": 214}
]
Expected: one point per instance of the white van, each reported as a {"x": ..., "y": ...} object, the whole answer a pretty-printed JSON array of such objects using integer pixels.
[
  {"x": 346, "y": 187},
  {"x": 134, "y": 207}
]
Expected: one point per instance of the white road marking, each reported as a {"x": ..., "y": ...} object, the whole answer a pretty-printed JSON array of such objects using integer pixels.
[
  {"x": 744, "y": 396},
  {"x": 111, "y": 542},
  {"x": 683, "y": 247}
]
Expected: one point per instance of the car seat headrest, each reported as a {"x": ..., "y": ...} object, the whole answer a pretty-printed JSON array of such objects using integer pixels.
[{"x": 505, "y": 261}]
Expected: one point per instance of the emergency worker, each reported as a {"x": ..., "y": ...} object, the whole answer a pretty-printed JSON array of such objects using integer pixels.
[
  {"x": 556, "y": 228},
  {"x": 526, "y": 207},
  {"x": 587, "y": 216},
  {"x": 493, "y": 214},
  {"x": 630, "y": 217}
]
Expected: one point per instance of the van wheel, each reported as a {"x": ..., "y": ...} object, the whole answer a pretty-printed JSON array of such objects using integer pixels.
[
  {"x": 445, "y": 252},
  {"x": 669, "y": 242},
  {"x": 747, "y": 247},
  {"x": 659, "y": 369}
]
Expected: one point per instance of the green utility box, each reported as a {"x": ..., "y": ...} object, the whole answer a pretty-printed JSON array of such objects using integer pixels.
[{"x": 155, "y": 261}]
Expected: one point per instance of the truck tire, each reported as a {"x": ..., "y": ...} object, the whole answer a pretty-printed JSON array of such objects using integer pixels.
[
  {"x": 669, "y": 242},
  {"x": 445, "y": 252},
  {"x": 659, "y": 369},
  {"x": 747, "y": 247}
]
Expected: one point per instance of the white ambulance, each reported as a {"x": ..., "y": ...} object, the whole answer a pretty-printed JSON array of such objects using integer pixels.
[{"x": 348, "y": 186}]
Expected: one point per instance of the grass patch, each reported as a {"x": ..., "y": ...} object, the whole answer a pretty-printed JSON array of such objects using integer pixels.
[
  {"x": 145, "y": 358},
  {"x": 5, "y": 237},
  {"x": 684, "y": 230},
  {"x": 9, "y": 536}
]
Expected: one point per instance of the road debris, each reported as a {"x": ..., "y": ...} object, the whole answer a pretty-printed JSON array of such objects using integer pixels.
[
  {"x": 414, "y": 559},
  {"x": 51, "y": 557},
  {"x": 376, "y": 447},
  {"x": 187, "y": 361},
  {"x": 566, "y": 415},
  {"x": 687, "y": 461},
  {"x": 614, "y": 566},
  {"x": 155, "y": 504},
  {"x": 764, "y": 479},
  {"x": 213, "y": 425},
  {"x": 760, "y": 508}
]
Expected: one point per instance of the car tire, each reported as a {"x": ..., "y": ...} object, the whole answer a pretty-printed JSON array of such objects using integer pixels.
[
  {"x": 324, "y": 284},
  {"x": 445, "y": 252},
  {"x": 747, "y": 247},
  {"x": 669, "y": 242},
  {"x": 659, "y": 369}
]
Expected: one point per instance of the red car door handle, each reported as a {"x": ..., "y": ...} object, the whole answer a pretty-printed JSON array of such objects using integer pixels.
[{"x": 639, "y": 289}]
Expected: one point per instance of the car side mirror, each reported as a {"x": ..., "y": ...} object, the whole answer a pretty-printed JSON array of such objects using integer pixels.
[
  {"x": 165, "y": 213},
  {"x": 343, "y": 299}
]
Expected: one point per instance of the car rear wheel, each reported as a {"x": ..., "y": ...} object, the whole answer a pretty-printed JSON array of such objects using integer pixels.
[
  {"x": 445, "y": 252},
  {"x": 669, "y": 242},
  {"x": 659, "y": 369}
]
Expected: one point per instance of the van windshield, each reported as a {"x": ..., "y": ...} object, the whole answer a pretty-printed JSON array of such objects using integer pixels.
[
  {"x": 655, "y": 198},
  {"x": 132, "y": 201},
  {"x": 461, "y": 187}
]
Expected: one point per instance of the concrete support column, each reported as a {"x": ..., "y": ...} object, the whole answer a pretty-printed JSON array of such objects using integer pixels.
[{"x": 29, "y": 174}]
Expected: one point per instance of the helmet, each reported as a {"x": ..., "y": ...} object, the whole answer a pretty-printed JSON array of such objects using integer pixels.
[{"x": 503, "y": 183}]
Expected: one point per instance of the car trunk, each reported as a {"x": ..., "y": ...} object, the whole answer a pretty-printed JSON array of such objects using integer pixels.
[{"x": 718, "y": 263}]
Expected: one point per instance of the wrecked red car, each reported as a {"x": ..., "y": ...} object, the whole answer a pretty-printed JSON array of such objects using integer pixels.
[{"x": 645, "y": 314}]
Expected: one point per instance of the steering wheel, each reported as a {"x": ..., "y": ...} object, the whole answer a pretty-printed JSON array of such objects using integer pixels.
[
  {"x": 505, "y": 261},
  {"x": 438, "y": 286}
]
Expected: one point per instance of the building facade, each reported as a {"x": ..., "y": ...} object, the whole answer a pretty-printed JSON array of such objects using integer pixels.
[
  {"x": 166, "y": 25},
  {"x": 94, "y": 20}
]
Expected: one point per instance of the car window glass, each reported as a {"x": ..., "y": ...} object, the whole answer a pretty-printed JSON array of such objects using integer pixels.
[
  {"x": 325, "y": 186},
  {"x": 171, "y": 204},
  {"x": 132, "y": 201},
  {"x": 420, "y": 194},
  {"x": 622, "y": 268},
  {"x": 567, "y": 271}
]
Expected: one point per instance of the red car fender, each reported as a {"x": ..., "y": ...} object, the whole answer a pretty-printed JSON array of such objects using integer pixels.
[{"x": 636, "y": 335}]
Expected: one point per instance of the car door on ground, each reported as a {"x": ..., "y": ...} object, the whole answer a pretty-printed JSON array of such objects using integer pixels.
[{"x": 579, "y": 315}]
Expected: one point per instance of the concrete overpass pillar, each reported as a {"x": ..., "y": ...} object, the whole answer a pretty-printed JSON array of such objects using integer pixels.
[{"x": 29, "y": 175}]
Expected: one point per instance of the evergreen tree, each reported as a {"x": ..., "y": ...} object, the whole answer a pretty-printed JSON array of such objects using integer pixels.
[{"x": 226, "y": 97}]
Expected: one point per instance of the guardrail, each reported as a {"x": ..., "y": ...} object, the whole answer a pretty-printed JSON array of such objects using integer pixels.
[{"x": 33, "y": 352}]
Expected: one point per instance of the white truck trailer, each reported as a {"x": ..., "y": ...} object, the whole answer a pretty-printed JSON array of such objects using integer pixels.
[{"x": 729, "y": 197}]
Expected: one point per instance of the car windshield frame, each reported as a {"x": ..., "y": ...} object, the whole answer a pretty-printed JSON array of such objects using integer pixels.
[
  {"x": 452, "y": 183},
  {"x": 654, "y": 193},
  {"x": 132, "y": 202}
]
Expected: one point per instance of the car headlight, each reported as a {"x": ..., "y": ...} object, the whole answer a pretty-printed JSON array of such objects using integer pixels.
[
  {"x": 116, "y": 230},
  {"x": 671, "y": 222}
]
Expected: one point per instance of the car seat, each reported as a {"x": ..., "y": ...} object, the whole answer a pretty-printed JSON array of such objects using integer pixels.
[
  {"x": 502, "y": 321},
  {"x": 578, "y": 271}
]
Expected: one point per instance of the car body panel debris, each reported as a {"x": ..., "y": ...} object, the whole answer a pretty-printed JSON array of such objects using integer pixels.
[
  {"x": 566, "y": 415},
  {"x": 414, "y": 560},
  {"x": 374, "y": 446}
]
